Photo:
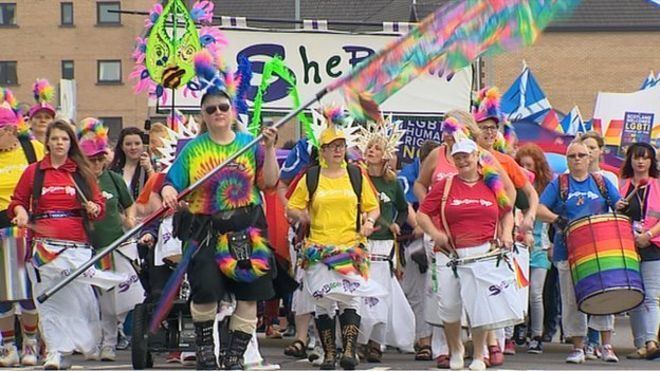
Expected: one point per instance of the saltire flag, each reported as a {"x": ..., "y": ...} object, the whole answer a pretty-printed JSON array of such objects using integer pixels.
[
  {"x": 572, "y": 124},
  {"x": 650, "y": 81},
  {"x": 525, "y": 100},
  {"x": 449, "y": 39}
]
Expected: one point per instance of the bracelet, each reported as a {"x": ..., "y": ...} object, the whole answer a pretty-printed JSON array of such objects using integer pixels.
[
  {"x": 371, "y": 220},
  {"x": 649, "y": 233}
]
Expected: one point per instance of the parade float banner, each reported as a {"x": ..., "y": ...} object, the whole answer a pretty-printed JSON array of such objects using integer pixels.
[
  {"x": 418, "y": 130},
  {"x": 316, "y": 59},
  {"x": 624, "y": 118}
]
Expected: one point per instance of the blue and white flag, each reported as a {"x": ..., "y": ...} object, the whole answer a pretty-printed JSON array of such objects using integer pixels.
[
  {"x": 525, "y": 99},
  {"x": 573, "y": 123},
  {"x": 650, "y": 81}
]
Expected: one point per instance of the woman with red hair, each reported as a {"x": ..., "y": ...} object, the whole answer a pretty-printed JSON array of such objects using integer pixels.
[{"x": 531, "y": 157}]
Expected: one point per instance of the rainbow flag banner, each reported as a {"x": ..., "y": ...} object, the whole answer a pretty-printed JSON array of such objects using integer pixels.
[{"x": 447, "y": 40}]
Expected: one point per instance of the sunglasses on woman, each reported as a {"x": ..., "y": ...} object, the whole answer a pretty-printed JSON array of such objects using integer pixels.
[{"x": 223, "y": 107}]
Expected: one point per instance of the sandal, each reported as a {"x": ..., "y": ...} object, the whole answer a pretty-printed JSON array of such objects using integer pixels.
[
  {"x": 652, "y": 353},
  {"x": 442, "y": 361},
  {"x": 297, "y": 349},
  {"x": 424, "y": 353}
]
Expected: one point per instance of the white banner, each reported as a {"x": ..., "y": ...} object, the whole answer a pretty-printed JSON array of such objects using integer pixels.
[
  {"x": 316, "y": 59},
  {"x": 612, "y": 109},
  {"x": 68, "y": 99}
]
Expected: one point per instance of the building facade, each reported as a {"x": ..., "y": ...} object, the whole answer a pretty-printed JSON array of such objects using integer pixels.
[{"x": 78, "y": 40}]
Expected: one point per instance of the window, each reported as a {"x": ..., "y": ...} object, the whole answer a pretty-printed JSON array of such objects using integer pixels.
[
  {"x": 114, "y": 125},
  {"x": 109, "y": 71},
  {"x": 67, "y": 70},
  {"x": 103, "y": 14},
  {"x": 7, "y": 14},
  {"x": 8, "y": 75},
  {"x": 66, "y": 15}
]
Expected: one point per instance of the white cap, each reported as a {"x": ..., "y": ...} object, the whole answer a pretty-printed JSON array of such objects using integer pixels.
[{"x": 464, "y": 146}]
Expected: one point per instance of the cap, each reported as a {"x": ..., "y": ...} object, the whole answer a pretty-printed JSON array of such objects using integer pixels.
[
  {"x": 41, "y": 107},
  {"x": 487, "y": 105},
  {"x": 331, "y": 134},
  {"x": 8, "y": 117},
  {"x": 92, "y": 137},
  {"x": 464, "y": 146}
]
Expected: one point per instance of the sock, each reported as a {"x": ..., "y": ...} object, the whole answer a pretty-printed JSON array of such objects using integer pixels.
[
  {"x": 29, "y": 331},
  {"x": 203, "y": 312},
  {"x": 238, "y": 323},
  {"x": 8, "y": 337}
]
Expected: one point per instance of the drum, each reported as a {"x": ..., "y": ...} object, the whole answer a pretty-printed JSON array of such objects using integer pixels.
[
  {"x": 14, "y": 285},
  {"x": 490, "y": 290},
  {"x": 604, "y": 264}
]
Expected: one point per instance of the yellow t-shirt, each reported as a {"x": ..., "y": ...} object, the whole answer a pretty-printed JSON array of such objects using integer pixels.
[
  {"x": 12, "y": 165},
  {"x": 334, "y": 209}
]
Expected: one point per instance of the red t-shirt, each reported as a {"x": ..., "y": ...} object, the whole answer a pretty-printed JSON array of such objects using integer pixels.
[
  {"x": 57, "y": 194},
  {"x": 472, "y": 212},
  {"x": 443, "y": 168}
]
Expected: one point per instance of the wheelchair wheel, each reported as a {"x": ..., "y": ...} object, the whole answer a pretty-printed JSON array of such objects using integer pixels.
[{"x": 140, "y": 356}]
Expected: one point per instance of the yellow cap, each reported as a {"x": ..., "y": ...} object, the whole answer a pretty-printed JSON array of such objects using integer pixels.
[{"x": 331, "y": 134}]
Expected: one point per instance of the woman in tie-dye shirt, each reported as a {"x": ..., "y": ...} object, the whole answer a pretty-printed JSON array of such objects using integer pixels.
[{"x": 228, "y": 227}]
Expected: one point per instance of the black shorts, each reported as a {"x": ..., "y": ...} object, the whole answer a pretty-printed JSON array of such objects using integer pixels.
[{"x": 207, "y": 282}]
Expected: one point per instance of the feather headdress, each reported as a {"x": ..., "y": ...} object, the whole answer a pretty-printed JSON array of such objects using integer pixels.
[
  {"x": 389, "y": 132},
  {"x": 333, "y": 116},
  {"x": 9, "y": 113},
  {"x": 92, "y": 137},
  {"x": 185, "y": 130},
  {"x": 43, "y": 93},
  {"x": 486, "y": 104}
]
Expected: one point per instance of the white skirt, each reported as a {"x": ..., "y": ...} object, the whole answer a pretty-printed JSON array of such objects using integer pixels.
[
  {"x": 128, "y": 293},
  {"x": 69, "y": 320},
  {"x": 324, "y": 283},
  {"x": 166, "y": 246},
  {"x": 302, "y": 301},
  {"x": 388, "y": 320}
]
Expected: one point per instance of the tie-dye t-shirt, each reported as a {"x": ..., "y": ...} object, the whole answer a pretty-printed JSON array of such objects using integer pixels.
[{"x": 232, "y": 187}]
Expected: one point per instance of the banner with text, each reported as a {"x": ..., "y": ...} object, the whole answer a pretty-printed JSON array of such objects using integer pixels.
[
  {"x": 316, "y": 59},
  {"x": 418, "y": 130}
]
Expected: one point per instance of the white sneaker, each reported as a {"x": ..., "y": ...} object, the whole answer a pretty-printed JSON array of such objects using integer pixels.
[
  {"x": 608, "y": 355},
  {"x": 477, "y": 365},
  {"x": 188, "y": 359},
  {"x": 94, "y": 355},
  {"x": 576, "y": 356},
  {"x": 456, "y": 361},
  {"x": 591, "y": 351},
  {"x": 30, "y": 352},
  {"x": 55, "y": 361},
  {"x": 9, "y": 356},
  {"x": 108, "y": 354}
]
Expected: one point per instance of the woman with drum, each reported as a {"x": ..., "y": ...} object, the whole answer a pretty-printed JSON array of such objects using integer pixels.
[
  {"x": 331, "y": 198},
  {"x": 642, "y": 205},
  {"x": 530, "y": 156},
  {"x": 579, "y": 194},
  {"x": 119, "y": 214},
  {"x": 16, "y": 153},
  {"x": 472, "y": 212},
  {"x": 57, "y": 197}
]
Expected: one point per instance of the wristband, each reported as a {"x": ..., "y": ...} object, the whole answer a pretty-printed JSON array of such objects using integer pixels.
[{"x": 371, "y": 220}]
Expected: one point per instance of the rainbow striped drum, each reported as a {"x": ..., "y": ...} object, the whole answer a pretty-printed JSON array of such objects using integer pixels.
[
  {"x": 604, "y": 264},
  {"x": 14, "y": 282}
]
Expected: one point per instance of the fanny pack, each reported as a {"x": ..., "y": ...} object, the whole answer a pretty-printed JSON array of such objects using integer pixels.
[{"x": 243, "y": 256}]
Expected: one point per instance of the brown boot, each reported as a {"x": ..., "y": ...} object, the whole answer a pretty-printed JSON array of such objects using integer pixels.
[
  {"x": 326, "y": 328},
  {"x": 350, "y": 328}
]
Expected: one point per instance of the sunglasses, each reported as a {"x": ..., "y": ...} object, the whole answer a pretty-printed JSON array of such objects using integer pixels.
[
  {"x": 223, "y": 107},
  {"x": 577, "y": 155}
]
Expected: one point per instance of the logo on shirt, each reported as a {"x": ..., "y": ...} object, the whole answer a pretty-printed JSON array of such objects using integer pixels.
[
  {"x": 484, "y": 203},
  {"x": 384, "y": 197},
  {"x": 66, "y": 190},
  {"x": 107, "y": 195},
  {"x": 590, "y": 195}
]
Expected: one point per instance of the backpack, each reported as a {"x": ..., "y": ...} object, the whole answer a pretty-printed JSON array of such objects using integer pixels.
[
  {"x": 28, "y": 150},
  {"x": 600, "y": 183},
  {"x": 80, "y": 183},
  {"x": 313, "y": 174}
]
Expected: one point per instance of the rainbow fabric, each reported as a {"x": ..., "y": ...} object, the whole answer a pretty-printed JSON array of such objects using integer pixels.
[
  {"x": 107, "y": 263},
  {"x": 231, "y": 188},
  {"x": 493, "y": 179},
  {"x": 259, "y": 260},
  {"x": 447, "y": 40},
  {"x": 521, "y": 280},
  {"x": 171, "y": 289},
  {"x": 42, "y": 255},
  {"x": 342, "y": 259}
]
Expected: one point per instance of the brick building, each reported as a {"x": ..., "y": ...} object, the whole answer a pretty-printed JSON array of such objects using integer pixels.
[
  {"x": 79, "y": 40},
  {"x": 606, "y": 45}
]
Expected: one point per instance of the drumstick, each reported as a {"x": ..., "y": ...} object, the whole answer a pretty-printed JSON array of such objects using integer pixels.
[{"x": 642, "y": 184}]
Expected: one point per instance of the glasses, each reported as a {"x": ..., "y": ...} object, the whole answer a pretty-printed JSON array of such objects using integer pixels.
[
  {"x": 489, "y": 128},
  {"x": 223, "y": 107},
  {"x": 334, "y": 147},
  {"x": 574, "y": 156}
]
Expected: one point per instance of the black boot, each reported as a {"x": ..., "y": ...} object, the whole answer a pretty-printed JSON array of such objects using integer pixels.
[
  {"x": 223, "y": 336},
  {"x": 326, "y": 328},
  {"x": 350, "y": 327},
  {"x": 238, "y": 342},
  {"x": 205, "y": 347}
]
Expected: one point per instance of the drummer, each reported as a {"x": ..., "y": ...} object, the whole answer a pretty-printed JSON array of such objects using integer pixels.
[
  {"x": 93, "y": 137},
  {"x": 584, "y": 198},
  {"x": 469, "y": 222},
  {"x": 16, "y": 153}
]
